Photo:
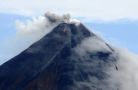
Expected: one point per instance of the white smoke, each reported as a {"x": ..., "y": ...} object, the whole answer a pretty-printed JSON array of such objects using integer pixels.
[
  {"x": 36, "y": 28},
  {"x": 31, "y": 31}
]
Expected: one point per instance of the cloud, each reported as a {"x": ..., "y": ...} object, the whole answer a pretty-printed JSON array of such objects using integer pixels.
[
  {"x": 92, "y": 44},
  {"x": 106, "y": 10},
  {"x": 127, "y": 75},
  {"x": 121, "y": 74}
]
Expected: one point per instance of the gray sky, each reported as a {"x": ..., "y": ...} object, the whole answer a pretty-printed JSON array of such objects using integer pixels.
[{"x": 106, "y": 10}]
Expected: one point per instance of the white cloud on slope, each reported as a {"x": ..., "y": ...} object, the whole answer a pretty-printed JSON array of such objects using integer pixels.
[
  {"x": 122, "y": 73},
  {"x": 127, "y": 75},
  {"x": 92, "y": 44},
  {"x": 96, "y": 9}
]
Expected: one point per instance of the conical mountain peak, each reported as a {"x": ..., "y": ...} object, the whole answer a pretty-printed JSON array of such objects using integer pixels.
[{"x": 62, "y": 60}]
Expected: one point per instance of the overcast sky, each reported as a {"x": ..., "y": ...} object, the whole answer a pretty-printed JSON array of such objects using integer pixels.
[
  {"x": 116, "y": 20},
  {"x": 96, "y": 9}
]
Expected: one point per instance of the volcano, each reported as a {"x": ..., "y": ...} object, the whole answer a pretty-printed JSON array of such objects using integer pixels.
[{"x": 70, "y": 57}]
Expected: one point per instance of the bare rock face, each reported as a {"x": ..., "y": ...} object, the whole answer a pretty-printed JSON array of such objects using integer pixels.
[{"x": 54, "y": 63}]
